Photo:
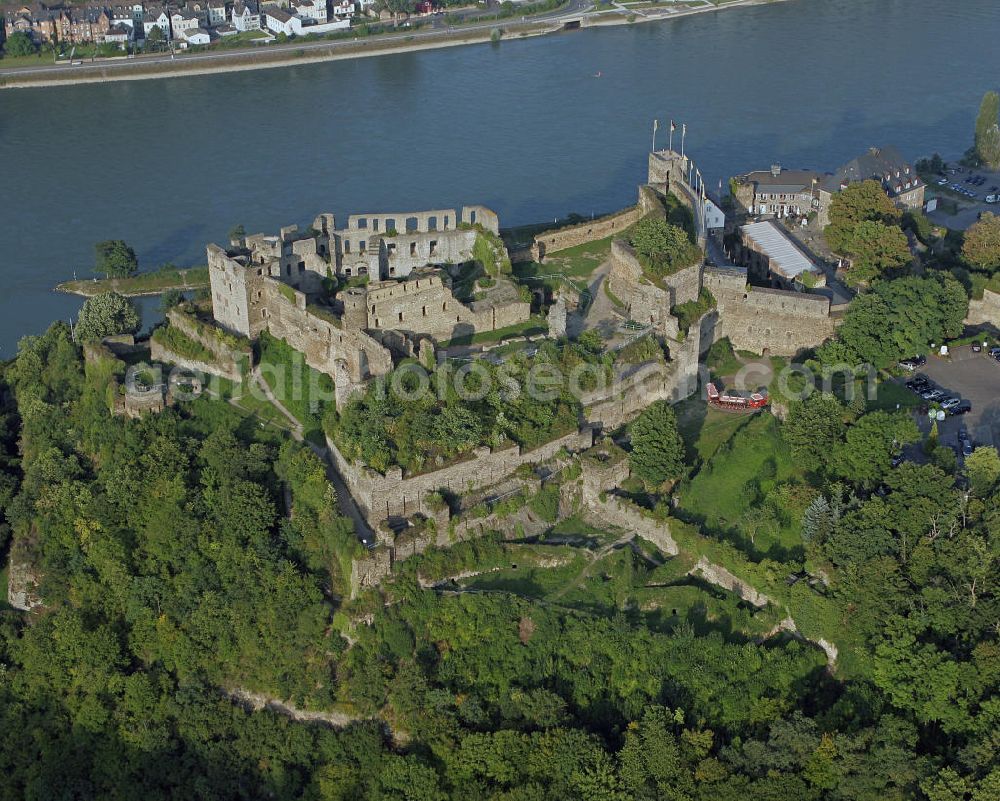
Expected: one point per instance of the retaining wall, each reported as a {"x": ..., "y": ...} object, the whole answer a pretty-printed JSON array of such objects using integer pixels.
[
  {"x": 381, "y": 496},
  {"x": 781, "y": 322}
]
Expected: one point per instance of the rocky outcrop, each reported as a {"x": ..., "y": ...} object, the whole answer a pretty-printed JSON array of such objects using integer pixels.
[{"x": 22, "y": 585}]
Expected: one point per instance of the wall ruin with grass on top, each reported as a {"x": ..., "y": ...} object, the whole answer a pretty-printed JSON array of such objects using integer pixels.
[{"x": 380, "y": 497}]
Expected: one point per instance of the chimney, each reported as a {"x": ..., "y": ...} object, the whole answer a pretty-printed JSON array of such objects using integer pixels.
[{"x": 775, "y": 170}]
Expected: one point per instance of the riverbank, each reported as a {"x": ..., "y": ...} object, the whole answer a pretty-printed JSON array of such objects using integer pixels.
[
  {"x": 313, "y": 52},
  {"x": 141, "y": 284}
]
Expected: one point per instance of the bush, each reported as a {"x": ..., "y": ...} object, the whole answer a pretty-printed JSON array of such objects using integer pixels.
[{"x": 545, "y": 503}]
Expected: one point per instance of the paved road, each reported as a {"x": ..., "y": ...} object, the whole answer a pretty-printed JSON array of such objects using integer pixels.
[{"x": 574, "y": 9}]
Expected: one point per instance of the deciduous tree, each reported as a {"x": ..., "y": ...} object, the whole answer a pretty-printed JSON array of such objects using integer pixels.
[
  {"x": 657, "y": 447},
  {"x": 105, "y": 315},
  {"x": 981, "y": 246},
  {"x": 115, "y": 259}
]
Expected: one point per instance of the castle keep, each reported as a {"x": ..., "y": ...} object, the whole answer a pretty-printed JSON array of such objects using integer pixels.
[{"x": 399, "y": 286}]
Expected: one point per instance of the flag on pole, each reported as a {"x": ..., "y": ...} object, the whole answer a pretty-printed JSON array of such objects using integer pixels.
[{"x": 672, "y": 126}]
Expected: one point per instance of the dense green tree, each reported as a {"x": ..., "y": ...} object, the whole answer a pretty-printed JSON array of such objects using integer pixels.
[
  {"x": 897, "y": 319},
  {"x": 19, "y": 43},
  {"x": 657, "y": 448},
  {"x": 981, "y": 244},
  {"x": 983, "y": 468},
  {"x": 814, "y": 425},
  {"x": 874, "y": 248},
  {"x": 864, "y": 201},
  {"x": 987, "y": 141},
  {"x": 865, "y": 454},
  {"x": 664, "y": 247},
  {"x": 115, "y": 259},
  {"x": 107, "y": 314}
]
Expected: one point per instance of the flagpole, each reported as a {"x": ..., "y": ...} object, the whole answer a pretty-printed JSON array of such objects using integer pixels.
[
  {"x": 684, "y": 130},
  {"x": 656, "y": 124},
  {"x": 670, "y": 147}
]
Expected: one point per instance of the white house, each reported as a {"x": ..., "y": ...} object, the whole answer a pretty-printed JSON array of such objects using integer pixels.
[
  {"x": 246, "y": 17},
  {"x": 156, "y": 17},
  {"x": 309, "y": 9},
  {"x": 714, "y": 216},
  {"x": 118, "y": 34},
  {"x": 196, "y": 36},
  {"x": 216, "y": 12},
  {"x": 183, "y": 21},
  {"x": 280, "y": 21},
  {"x": 342, "y": 8}
]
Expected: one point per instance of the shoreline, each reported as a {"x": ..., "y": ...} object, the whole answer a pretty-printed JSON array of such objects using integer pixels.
[
  {"x": 140, "y": 285},
  {"x": 288, "y": 56}
]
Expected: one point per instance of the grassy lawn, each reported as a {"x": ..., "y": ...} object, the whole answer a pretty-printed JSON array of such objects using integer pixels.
[
  {"x": 721, "y": 359},
  {"x": 303, "y": 391},
  {"x": 530, "y": 581},
  {"x": 579, "y": 261},
  {"x": 151, "y": 283},
  {"x": 530, "y": 327},
  {"x": 750, "y": 493},
  {"x": 889, "y": 394},
  {"x": 704, "y": 429},
  {"x": 704, "y": 608}
]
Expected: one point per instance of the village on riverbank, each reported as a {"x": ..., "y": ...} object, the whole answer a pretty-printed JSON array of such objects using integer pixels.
[{"x": 56, "y": 44}]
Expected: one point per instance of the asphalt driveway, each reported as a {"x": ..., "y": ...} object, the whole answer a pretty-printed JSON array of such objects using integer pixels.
[{"x": 976, "y": 378}]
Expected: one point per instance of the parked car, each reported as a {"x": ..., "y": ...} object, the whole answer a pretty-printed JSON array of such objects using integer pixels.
[
  {"x": 977, "y": 347},
  {"x": 932, "y": 394},
  {"x": 963, "y": 407},
  {"x": 990, "y": 198},
  {"x": 995, "y": 351},
  {"x": 967, "y": 448},
  {"x": 950, "y": 403},
  {"x": 942, "y": 181}
]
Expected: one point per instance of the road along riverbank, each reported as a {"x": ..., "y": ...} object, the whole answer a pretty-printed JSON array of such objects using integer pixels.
[{"x": 267, "y": 57}]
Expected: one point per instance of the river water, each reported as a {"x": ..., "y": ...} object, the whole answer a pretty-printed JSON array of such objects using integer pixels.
[{"x": 523, "y": 126}]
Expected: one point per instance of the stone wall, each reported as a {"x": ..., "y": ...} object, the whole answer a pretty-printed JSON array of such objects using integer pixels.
[
  {"x": 619, "y": 404},
  {"x": 777, "y": 321},
  {"x": 232, "y": 358},
  {"x": 391, "y": 495},
  {"x": 646, "y": 302},
  {"x": 985, "y": 311},
  {"x": 382, "y": 256},
  {"x": 624, "y": 514},
  {"x": 160, "y": 353},
  {"x": 573, "y": 235},
  {"x": 425, "y": 305},
  {"x": 326, "y": 344}
]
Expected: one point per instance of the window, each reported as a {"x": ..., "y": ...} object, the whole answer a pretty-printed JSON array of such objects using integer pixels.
[
  {"x": 302, "y": 267},
  {"x": 400, "y": 317},
  {"x": 434, "y": 246},
  {"x": 347, "y": 246},
  {"x": 413, "y": 248},
  {"x": 424, "y": 310}
]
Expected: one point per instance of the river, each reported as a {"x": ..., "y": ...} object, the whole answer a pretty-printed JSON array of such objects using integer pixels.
[{"x": 523, "y": 126}]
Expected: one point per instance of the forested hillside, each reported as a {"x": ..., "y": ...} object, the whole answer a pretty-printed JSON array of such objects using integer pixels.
[{"x": 193, "y": 554}]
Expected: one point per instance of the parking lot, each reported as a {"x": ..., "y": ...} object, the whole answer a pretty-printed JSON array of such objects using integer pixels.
[
  {"x": 979, "y": 182},
  {"x": 974, "y": 377}
]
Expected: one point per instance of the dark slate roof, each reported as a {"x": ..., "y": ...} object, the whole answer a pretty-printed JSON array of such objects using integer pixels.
[
  {"x": 884, "y": 165},
  {"x": 787, "y": 180}
]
